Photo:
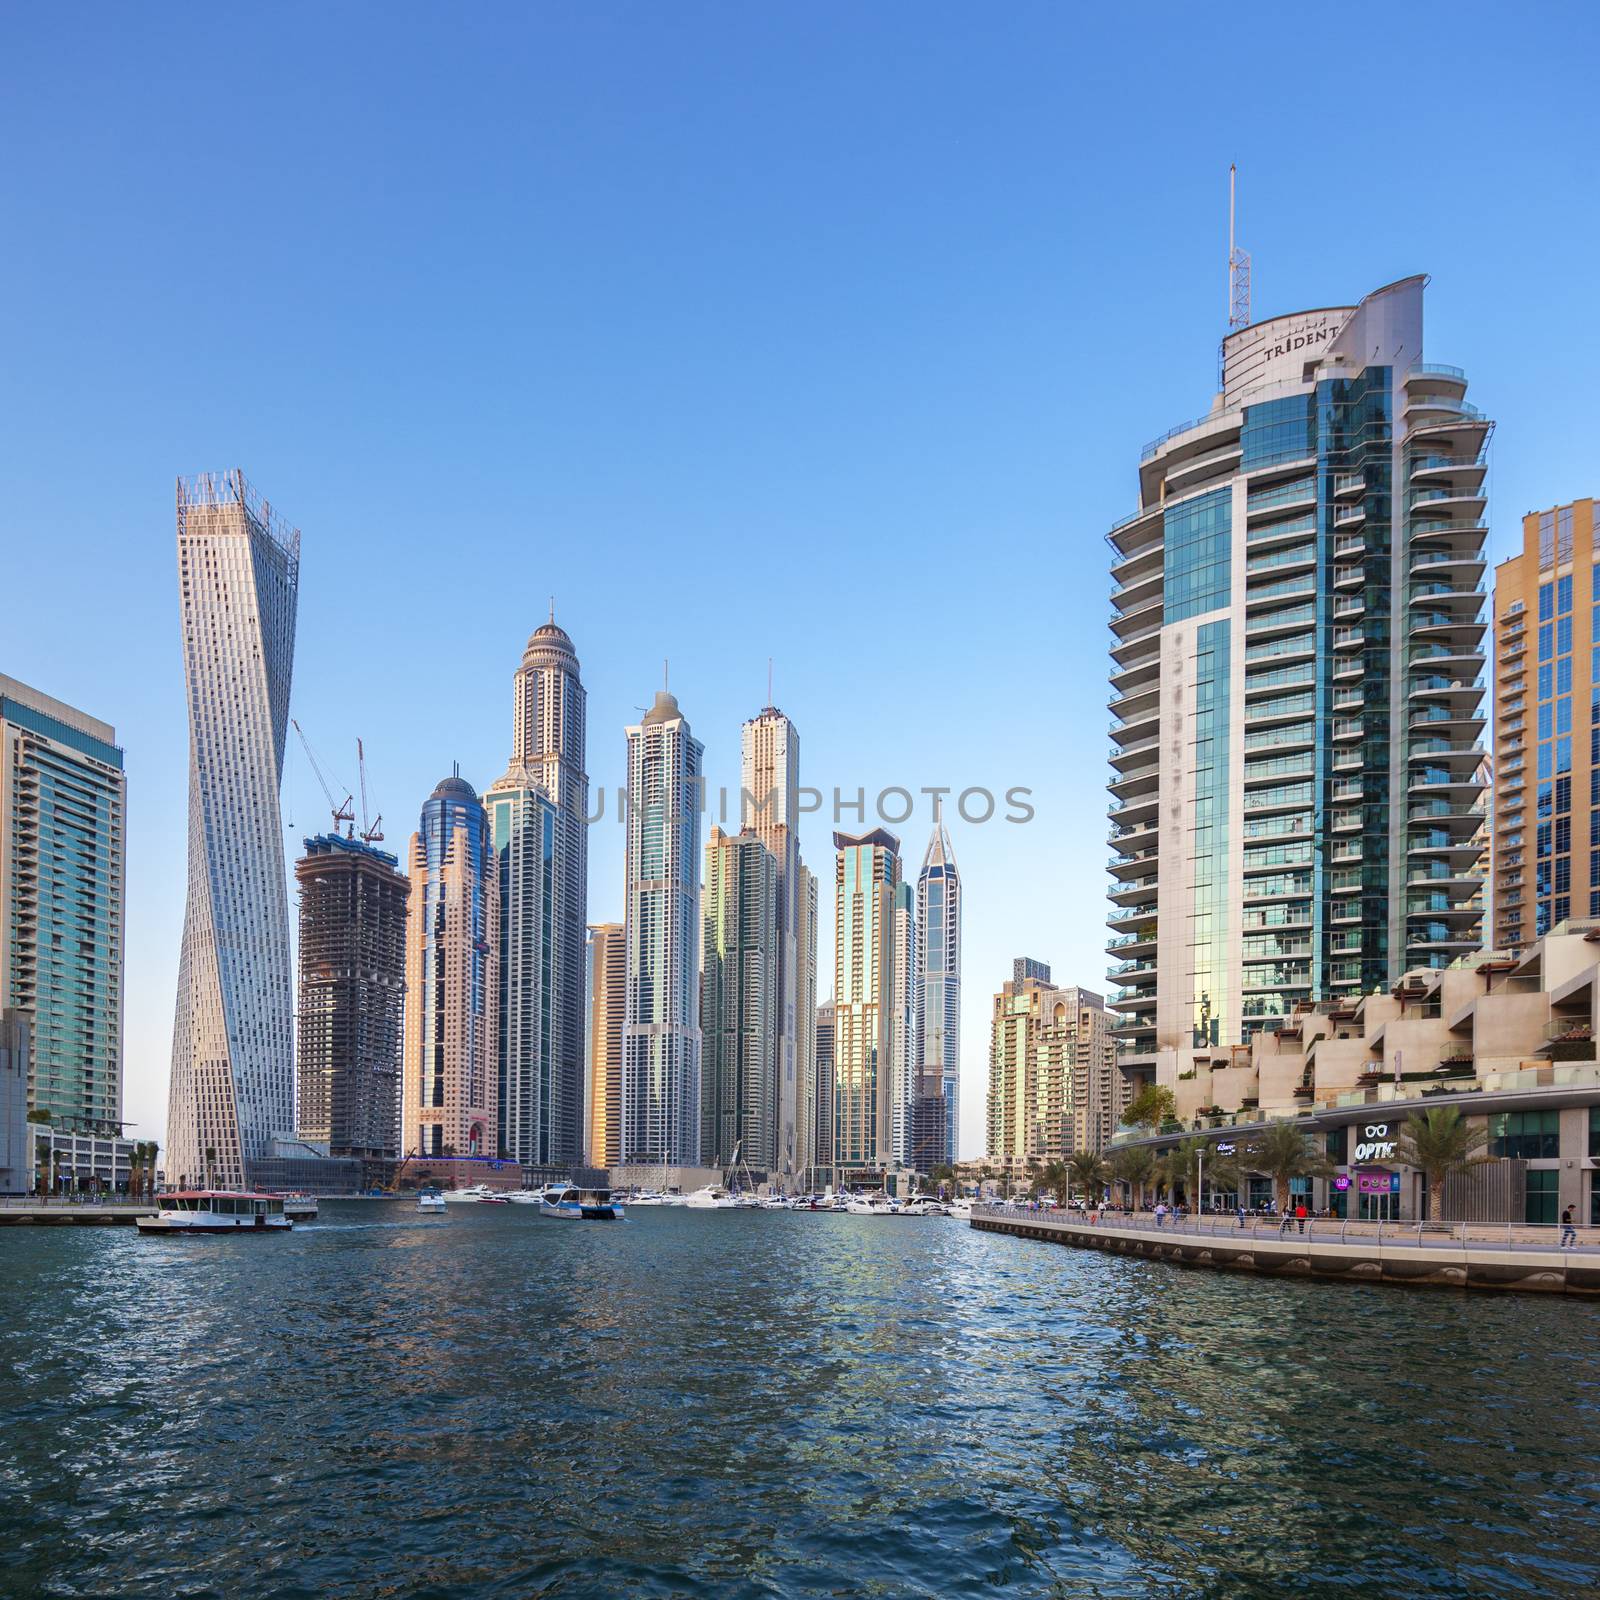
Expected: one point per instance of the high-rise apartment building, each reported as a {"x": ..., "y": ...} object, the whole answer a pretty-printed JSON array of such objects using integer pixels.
[
  {"x": 232, "y": 1088},
  {"x": 1054, "y": 1085},
  {"x": 537, "y": 818},
  {"x": 450, "y": 1076},
  {"x": 903, "y": 1024},
  {"x": 937, "y": 1005},
  {"x": 822, "y": 1128},
  {"x": 661, "y": 1032},
  {"x": 866, "y": 993},
  {"x": 805, "y": 1034},
  {"x": 353, "y": 901},
  {"x": 1547, "y": 728},
  {"x": 607, "y": 968},
  {"x": 770, "y": 809},
  {"x": 63, "y": 805},
  {"x": 739, "y": 1005},
  {"x": 1296, "y": 670}
]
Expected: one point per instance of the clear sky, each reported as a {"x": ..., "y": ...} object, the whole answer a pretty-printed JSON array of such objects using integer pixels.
[{"x": 826, "y": 332}]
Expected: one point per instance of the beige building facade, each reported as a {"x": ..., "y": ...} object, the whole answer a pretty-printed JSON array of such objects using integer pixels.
[
  {"x": 1547, "y": 730},
  {"x": 608, "y": 976}
]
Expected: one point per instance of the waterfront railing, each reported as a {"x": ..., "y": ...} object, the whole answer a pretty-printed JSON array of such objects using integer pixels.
[{"x": 1319, "y": 1230}]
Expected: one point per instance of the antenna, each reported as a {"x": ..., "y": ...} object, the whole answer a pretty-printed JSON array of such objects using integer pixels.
[
  {"x": 666, "y": 679},
  {"x": 552, "y": 610},
  {"x": 769, "y": 680},
  {"x": 1238, "y": 267}
]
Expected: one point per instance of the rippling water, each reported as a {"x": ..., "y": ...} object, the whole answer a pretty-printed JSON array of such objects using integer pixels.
[{"x": 742, "y": 1404}]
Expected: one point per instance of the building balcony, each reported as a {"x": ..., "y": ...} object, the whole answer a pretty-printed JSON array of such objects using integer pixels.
[
  {"x": 1137, "y": 863},
  {"x": 1135, "y": 753}
]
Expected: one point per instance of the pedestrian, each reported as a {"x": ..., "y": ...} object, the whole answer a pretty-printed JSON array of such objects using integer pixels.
[
  {"x": 1569, "y": 1234},
  {"x": 1241, "y": 1214},
  {"x": 1300, "y": 1215},
  {"x": 1161, "y": 1213},
  {"x": 1284, "y": 1220}
]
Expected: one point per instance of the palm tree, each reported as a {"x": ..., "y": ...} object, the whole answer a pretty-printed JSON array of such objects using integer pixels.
[
  {"x": 1183, "y": 1162},
  {"x": 1090, "y": 1172},
  {"x": 1439, "y": 1142},
  {"x": 1134, "y": 1165},
  {"x": 1056, "y": 1177},
  {"x": 1284, "y": 1152}
]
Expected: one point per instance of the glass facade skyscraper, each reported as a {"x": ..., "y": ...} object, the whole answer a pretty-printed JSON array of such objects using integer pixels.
[
  {"x": 232, "y": 1086},
  {"x": 937, "y": 1005},
  {"x": 661, "y": 1032},
  {"x": 450, "y": 1077},
  {"x": 1297, "y": 687},
  {"x": 63, "y": 804}
]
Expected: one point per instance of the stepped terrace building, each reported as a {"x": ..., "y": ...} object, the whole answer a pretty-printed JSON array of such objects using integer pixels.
[{"x": 1297, "y": 685}]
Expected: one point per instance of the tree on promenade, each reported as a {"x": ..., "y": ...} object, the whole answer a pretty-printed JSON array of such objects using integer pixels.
[
  {"x": 1055, "y": 1178},
  {"x": 1089, "y": 1171},
  {"x": 1134, "y": 1165},
  {"x": 1440, "y": 1142},
  {"x": 1284, "y": 1152}
]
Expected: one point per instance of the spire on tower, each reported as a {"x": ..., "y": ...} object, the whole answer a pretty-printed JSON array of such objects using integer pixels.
[{"x": 1238, "y": 268}]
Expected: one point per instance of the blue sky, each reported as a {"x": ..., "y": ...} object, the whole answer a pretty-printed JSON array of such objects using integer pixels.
[{"x": 825, "y": 332}]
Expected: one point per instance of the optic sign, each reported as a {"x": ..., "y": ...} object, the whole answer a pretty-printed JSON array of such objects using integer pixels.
[
  {"x": 1378, "y": 1182},
  {"x": 1342, "y": 1182},
  {"x": 1376, "y": 1143}
]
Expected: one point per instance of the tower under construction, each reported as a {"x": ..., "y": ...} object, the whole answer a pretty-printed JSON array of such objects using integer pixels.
[{"x": 353, "y": 907}]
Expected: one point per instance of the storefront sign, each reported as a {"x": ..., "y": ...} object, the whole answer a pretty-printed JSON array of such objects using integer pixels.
[
  {"x": 1342, "y": 1182},
  {"x": 1378, "y": 1182},
  {"x": 1224, "y": 1147},
  {"x": 1377, "y": 1143}
]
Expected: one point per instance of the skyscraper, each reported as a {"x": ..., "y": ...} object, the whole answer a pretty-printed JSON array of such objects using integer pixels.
[
  {"x": 903, "y": 1024},
  {"x": 770, "y": 809},
  {"x": 805, "y": 1053},
  {"x": 937, "y": 1004},
  {"x": 661, "y": 1033},
  {"x": 1547, "y": 670},
  {"x": 450, "y": 1079},
  {"x": 537, "y": 813},
  {"x": 233, "y": 1034},
  {"x": 1296, "y": 660},
  {"x": 822, "y": 1134},
  {"x": 353, "y": 904},
  {"x": 607, "y": 967},
  {"x": 739, "y": 1004},
  {"x": 63, "y": 804},
  {"x": 867, "y": 876},
  {"x": 1054, "y": 1085}
]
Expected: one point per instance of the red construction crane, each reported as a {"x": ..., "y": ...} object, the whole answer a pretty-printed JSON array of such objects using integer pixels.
[
  {"x": 371, "y": 832},
  {"x": 342, "y": 811}
]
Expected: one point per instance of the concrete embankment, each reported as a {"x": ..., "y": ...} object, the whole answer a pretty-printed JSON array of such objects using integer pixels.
[
  {"x": 21, "y": 1214},
  {"x": 1399, "y": 1258}
]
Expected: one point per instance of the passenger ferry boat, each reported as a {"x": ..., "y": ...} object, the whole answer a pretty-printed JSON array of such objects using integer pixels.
[
  {"x": 430, "y": 1203},
  {"x": 300, "y": 1207},
  {"x": 216, "y": 1211},
  {"x": 579, "y": 1205}
]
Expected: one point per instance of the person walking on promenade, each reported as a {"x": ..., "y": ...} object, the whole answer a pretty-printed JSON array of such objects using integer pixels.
[
  {"x": 1241, "y": 1214},
  {"x": 1284, "y": 1220},
  {"x": 1300, "y": 1215},
  {"x": 1161, "y": 1213},
  {"x": 1569, "y": 1234}
]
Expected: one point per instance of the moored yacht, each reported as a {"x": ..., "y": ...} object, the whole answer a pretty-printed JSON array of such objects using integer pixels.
[
  {"x": 430, "y": 1203},
  {"x": 711, "y": 1198},
  {"x": 216, "y": 1211}
]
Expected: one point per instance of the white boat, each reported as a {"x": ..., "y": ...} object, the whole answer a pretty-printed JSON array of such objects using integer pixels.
[
  {"x": 961, "y": 1209},
  {"x": 300, "y": 1207},
  {"x": 871, "y": 1205},
  {"x": 216, "y": 1211},
  {"x": 430, "y": 1204},
  {"x": 711, "y": 1198},
  {"x": 923, "y": 1205},
  {"x": 478, "y": 1194},
  {"x": 573, "y": 1204},
  {"x": 525, "y": 1197}
]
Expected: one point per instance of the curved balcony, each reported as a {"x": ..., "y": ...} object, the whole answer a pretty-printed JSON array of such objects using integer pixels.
[
  {"x": 1138, "y": 808},
  {"x": 1140, "y": 621},
  {"x": 1466, "y": 572},
  {"x": 1130, "y": 649},
  {"x": 1140, "y": 892},
  {"x": 1137, "y": 704},
  {"x": 1136, "y": 753},
  {"x": 1136, "y": 781},
  {"x": 1140, "y": 942},
  {"x": 1135, "y": 532},
  {"x": 1435, "y": 376},
  {"x": 1134, "y": 839}
]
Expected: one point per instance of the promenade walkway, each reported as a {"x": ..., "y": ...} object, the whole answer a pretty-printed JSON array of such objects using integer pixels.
[
  {"x": 1459, "y": 1255},
  {"x": 63, "y": 1211}
]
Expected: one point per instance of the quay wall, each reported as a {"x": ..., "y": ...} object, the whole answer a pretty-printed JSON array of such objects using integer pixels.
[{"x": 1411, "y": 1259}]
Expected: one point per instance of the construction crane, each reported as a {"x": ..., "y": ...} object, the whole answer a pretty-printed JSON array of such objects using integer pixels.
[
  {"x": 342, "y": 811},
  {"x": 371, "y": 832}
]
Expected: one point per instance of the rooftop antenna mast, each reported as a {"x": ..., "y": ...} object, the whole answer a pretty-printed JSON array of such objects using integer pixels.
[{"x": 1238, "y": 267}]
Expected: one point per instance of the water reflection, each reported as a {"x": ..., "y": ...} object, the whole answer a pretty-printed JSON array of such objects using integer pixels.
[{"x": 733, "y": 1404}]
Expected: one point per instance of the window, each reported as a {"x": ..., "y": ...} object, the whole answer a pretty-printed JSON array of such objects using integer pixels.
[
  {"x": 1525, "y": 1135},
  {"x": 1197, "y": 555},
  {"x": 1594, "y": 1131},
  {"x": 1540, "y": 1205}
]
